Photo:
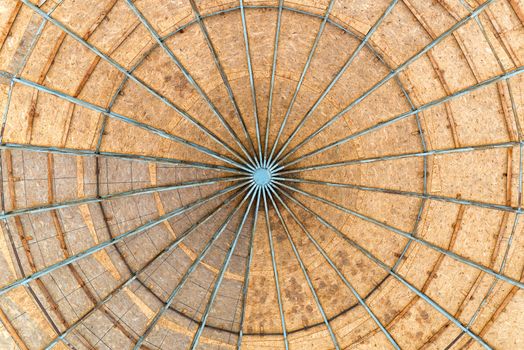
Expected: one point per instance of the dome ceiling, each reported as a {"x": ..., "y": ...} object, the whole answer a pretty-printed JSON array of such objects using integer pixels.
[{"x": 330, "y": 174}]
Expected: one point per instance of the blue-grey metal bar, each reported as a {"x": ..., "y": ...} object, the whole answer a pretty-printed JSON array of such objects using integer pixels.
[
  {"x": 35, "y": 39},
  {"x": 422, "y": 205},
  {"x": 188, "y": 272},
  {"x": 518, "y": 128},
  {"x": 304, "y": 269},
  {"x": 301, "y": 79},
  {"x": 434, "y": 103},
  {"x": 114, "y": 240},
  {"x": 130, "y": 121},
  {"x": 392, "y": 74},
  {"x": 275, "y": 272},
  {"x": 272, "y": 81},
  {"x": 189, "y": 78},
  {"x": 402, "y": 156},
  {"x": 346, "y": 65},
  {"x": 135, "y": 275},
  {"x": 135, "y": 192},
  {"x": 222, "y": 272},
  {"x": 409, "y": 236},
  {"x": 361, "y": 301},
  {"x": 223, "y": 75},
  {"x": 136, "y": 157},
  {"x": 246, "y": 275},
  {"x": 251, "y": 80},
  {"x": 392, "y": 273},
  {"x": 124, "y": 71},
  {"x": 458, "y": 201}
]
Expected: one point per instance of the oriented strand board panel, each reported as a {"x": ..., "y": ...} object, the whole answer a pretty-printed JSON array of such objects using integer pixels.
[{"x": 261, "y": 174}]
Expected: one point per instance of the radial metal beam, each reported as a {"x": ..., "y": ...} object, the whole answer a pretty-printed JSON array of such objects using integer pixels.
[
  {"x": 123, "y": 194},
  {"x": 272, "y": 81},
  {"x": 391, "y": 75},
  {"x": 346, "y": 65},
  {"x": 251, "y": 80},
  {"x": 223, "y": 75},
  {"x": 246, "y": 275},
  {"x": 405, "y": 115},
  {"x": 301, "y": 79},
  {"x": 409, "y": 236},
  {"x": 235, "y": 8},
  {"x": 98, "y": 247},
  {"x": 125, "y": 156},
  {"x": 223, "y": 270},
  {"x": 458, "y": 201},
  {"x": 130, "y": 121},
  {"x": 275, "y": 273},
  {"x": 361, "y": 301},
  {"x": 192, "y": 267},
  {"x": 286, "y": 8},
  {"x": 124, "y": 71},
  {"x": 392, "y": 273},
  {"x": 190, "y": 79},
  {"x": 135, "y": 275},
  {"x": 304, "y": 270},
  {"x": 402, "y": 156}
]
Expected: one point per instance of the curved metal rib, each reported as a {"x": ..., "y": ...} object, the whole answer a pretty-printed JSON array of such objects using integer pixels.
[
  {"x": 191, "y": 81},
  {"x": 399, "y": 117}
]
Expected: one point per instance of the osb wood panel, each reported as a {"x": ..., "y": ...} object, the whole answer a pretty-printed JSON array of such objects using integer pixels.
[{"x": 85, "y": 81}]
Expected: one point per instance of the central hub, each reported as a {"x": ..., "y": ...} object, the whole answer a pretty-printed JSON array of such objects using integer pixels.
[{"x": 262, "y": 177}]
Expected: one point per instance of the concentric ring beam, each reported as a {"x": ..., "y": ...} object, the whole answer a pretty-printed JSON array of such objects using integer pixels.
[
  {"x": 519, "y": 200},
  {"x": 183, "y": 280},
  {"x": 112, "y": 241},
  {"x": 392, "y": 273},
  {"x": 392, "y": 74},
  {"x": 424, "y": 176},
  {"x": 409, "y": 236}
]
